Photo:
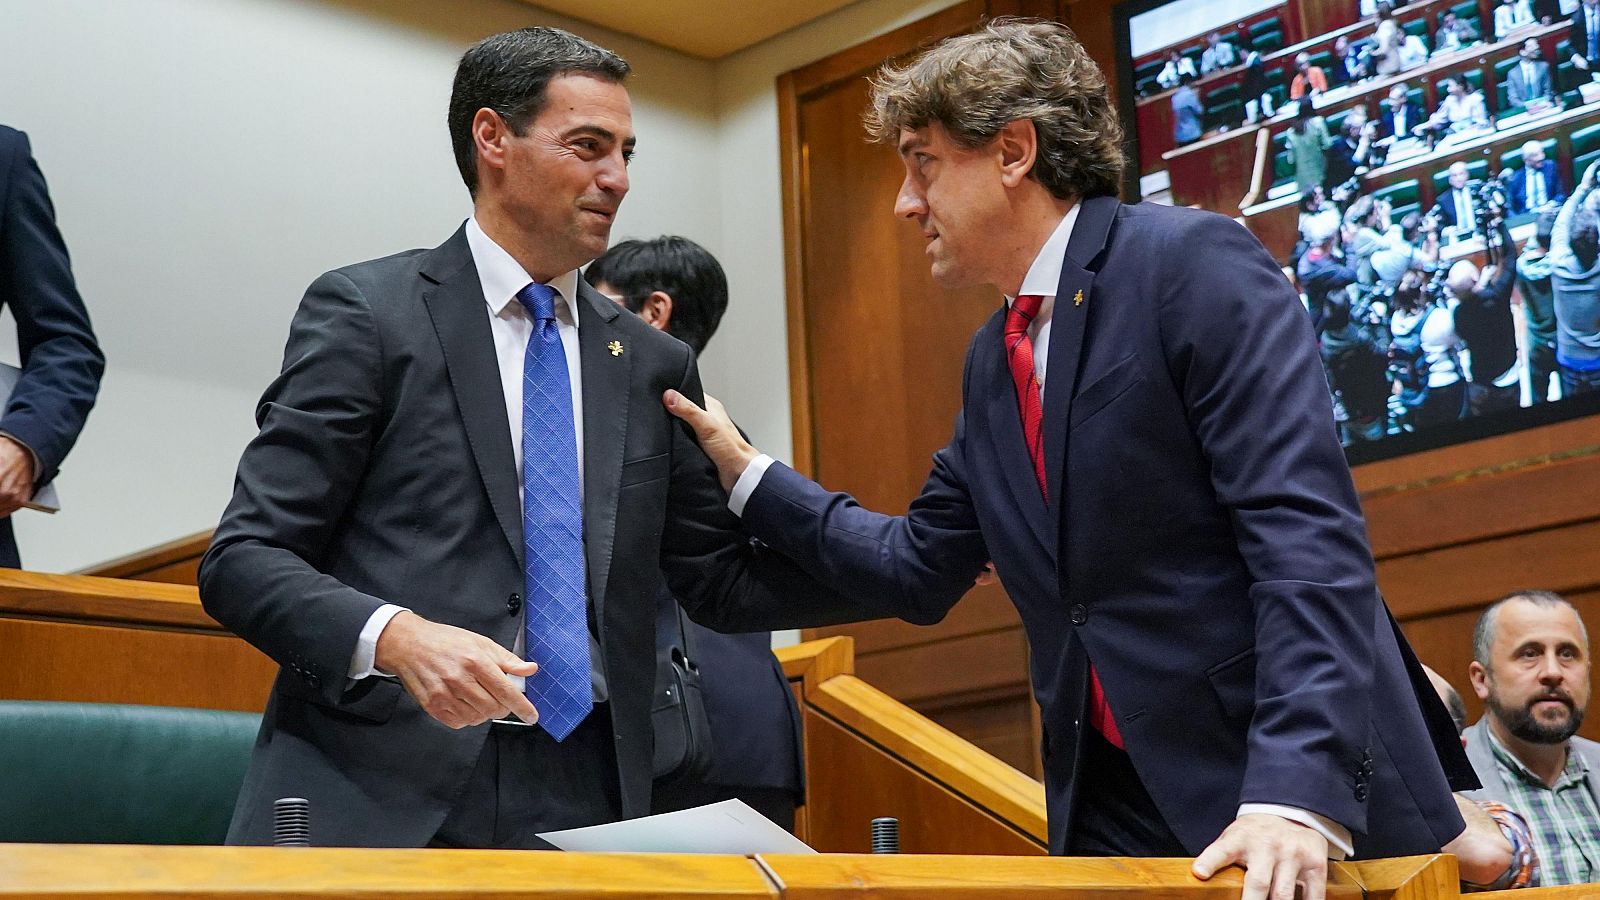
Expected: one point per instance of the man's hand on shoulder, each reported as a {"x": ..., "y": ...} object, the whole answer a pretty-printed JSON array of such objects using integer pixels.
[
  {"x": 718, "y": 436},
  {"x": 16, "y": 475},
  {"x": 458, "y": 676},
  {"x": 1275, "y": 854}
]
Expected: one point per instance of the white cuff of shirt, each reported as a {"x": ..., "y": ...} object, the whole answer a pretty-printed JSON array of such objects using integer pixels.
[
  {"x": 1339, "y": 846},
  {"x": 361, "y": 663},
  {"x": 749, "y": 479}
]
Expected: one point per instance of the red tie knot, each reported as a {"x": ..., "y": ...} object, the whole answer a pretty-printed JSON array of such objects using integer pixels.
[{"x": 1022, "y": 312}]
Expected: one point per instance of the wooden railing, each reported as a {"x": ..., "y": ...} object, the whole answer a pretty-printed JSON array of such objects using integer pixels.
[{"x": 37, "y": 872}]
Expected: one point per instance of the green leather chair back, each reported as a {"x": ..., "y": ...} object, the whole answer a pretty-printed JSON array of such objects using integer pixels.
[{"x": 98, "y": 773}]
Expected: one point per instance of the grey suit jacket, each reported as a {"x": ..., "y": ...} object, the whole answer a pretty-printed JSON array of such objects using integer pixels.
[
  {"x": 1519, "y": 90},
  {"x": 383, "y": 472},
  {"x": 1494, "y": 787}
]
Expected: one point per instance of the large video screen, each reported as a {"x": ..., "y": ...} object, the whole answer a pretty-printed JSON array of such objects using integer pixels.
[{"x": 1417, "y": 169}]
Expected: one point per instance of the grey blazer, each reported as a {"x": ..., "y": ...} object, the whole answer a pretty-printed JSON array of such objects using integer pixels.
[
  {"x": 383, "y": 472},
  {"x": 1494, "y": 787}
]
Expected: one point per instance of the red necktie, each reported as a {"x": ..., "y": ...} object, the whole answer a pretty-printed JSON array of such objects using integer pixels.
[{"x": 1019, "y": 355}]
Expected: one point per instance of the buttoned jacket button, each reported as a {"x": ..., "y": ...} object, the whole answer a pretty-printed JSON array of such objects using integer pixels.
[
  {"x": 514, "y": 603},
  {"x": 1079, "y": 613}
]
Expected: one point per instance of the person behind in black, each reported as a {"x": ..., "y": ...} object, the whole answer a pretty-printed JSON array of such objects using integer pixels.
[
  {"x": 1538, "y": 306},
  {"x": 1484, "y": 322},
  {"x": 678, "y": 287},
  {"x": 61, "y": 361}
]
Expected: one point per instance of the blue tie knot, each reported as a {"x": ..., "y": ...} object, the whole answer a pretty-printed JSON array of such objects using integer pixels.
[{"x": 539, "y": 300}]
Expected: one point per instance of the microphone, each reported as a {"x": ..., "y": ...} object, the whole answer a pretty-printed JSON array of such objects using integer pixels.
[
  {"x": 291, "y": 822},
  {"x": 886, "y": 835}
]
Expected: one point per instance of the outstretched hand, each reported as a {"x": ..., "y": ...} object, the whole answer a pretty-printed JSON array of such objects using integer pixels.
[{"x": 718, "y": 436}]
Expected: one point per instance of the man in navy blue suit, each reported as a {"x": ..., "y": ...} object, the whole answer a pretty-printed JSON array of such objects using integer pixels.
[
  {"x": 1147, "y": 454},
  {"x": 61, "y": 363},
  {"x": 678, "y": 287},
  {"x": 1536, "y": 184}
]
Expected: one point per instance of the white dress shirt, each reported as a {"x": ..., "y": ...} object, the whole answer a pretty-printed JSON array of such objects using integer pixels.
[
  {"x": 1043, "y": 277},
  {"x": 502, "y": 277}
]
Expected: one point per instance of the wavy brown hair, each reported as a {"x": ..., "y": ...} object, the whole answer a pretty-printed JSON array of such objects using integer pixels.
[{"x": 1011, "y": 69}]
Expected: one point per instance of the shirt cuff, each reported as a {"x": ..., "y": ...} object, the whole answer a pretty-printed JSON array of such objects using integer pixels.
[
  {"x": 38, "y": 468},
  {"x": 1339, "y": 845},
  {"x": 362, "y": 661},
  {"x": 748, "y": 481}
]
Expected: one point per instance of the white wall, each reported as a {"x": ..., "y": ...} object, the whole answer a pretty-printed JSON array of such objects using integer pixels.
[{"x": 208, "y": 159}]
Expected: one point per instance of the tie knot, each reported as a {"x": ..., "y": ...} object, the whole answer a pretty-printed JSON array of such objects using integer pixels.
[
  {"x": 539, "y": 300},
  {"x": 1023, "y": 311}
]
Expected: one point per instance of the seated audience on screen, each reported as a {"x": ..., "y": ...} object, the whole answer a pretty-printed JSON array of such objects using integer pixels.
[
  {"x": 1530, "y": 667},
  {"x": 1453, "y": 34},
  {"x": 1529, "y": 80},
  {"x": 1538, "y": 306},
  {"x": 1458, "y": 206},
  {"x": 1177, "y": 65},
  {"x": 1219, "y": 54},
  {"x": 1308, "y": 79},
  {"x": 1348, "y": 65},
  {"x": 1534, "y": 184},
  {"x": 1511, "y": 15},
  {"x": 1308, "y": 143},
  {"x": 1413, "y": 51},
  {"x": 1460, "y": 110},
  {"x": 1186, "y": 111},
  {"x": 1575, "y": 277},
  {"x": 1255, "y": 90},
  {"x": 1400, "y": 116},
  {"x": 1501, "y": 856}
]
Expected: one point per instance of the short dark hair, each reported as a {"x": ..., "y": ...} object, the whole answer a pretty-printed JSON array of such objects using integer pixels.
[
  {"x": 676, "y": 266},
  {"x": 509, "y": 74}
]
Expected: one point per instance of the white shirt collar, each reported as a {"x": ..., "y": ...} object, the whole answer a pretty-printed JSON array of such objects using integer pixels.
[
  {"x": 1044, "y": 276},
  {"x": 502, "y": 277}
]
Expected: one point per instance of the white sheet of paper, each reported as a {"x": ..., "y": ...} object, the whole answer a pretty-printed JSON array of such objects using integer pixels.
[{"x": 727, "y": 827}]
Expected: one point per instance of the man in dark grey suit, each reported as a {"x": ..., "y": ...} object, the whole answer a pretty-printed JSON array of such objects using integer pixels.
[
  {"x": 1529, "y": 79},
  {"x": 463, "y": 465}
]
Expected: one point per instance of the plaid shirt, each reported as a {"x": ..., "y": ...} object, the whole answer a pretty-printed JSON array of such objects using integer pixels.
[{"x": 1565, "y": 819}]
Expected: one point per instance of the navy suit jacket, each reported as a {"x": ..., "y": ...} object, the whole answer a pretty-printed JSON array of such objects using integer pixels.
[
  {"x": 1517, "y": 189},
  {"x": 755, "y": 724},
  {"x": 1414, "y": 117},
  {"x": 1202, "y": 544},
  {"x": 61, "y": 362}
]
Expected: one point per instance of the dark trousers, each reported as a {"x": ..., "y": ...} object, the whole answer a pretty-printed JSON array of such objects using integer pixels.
[
  {"x": 1115, "y": 815},
  {"x": 1541, "y": 365},
  {"x": 776, "y": 804},
  {"x": 526, "y": 783},
  {"x": 1574, "y": 382}
]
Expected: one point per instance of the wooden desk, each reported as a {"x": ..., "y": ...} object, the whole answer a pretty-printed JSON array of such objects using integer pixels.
[
  {"x": 102, "y": 872},
  {"x": 1215, "y": 172}
]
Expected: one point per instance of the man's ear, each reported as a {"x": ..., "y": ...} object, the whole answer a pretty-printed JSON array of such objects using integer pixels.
[
  {"x": 1479, "y": 678},
  {"x": 489, "y": 136},
  {"x": 657, "y": 310},
  {"x": 1017, "y": 146}
]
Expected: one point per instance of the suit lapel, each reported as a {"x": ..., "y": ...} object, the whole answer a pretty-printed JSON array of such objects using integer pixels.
[
  {"x": 606, "y": 377},
  {"x": 1068, "y": 324},
  {"x": 455, "y": 304},
  {"x": 998, "y": 396}
]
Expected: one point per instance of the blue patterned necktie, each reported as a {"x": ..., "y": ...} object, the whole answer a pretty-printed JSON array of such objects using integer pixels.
[{"x": 556, "y": 626}]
